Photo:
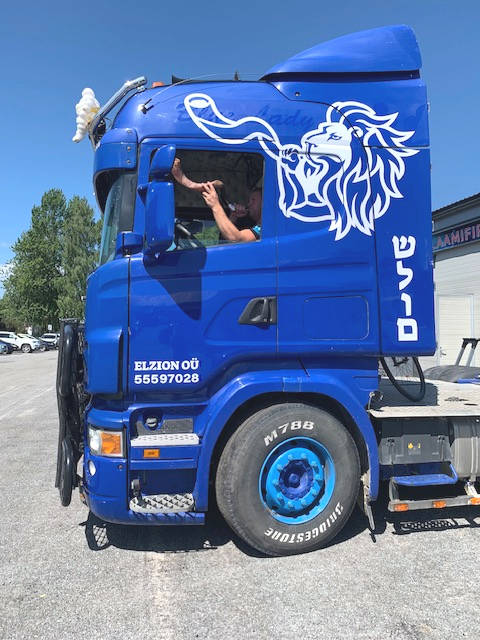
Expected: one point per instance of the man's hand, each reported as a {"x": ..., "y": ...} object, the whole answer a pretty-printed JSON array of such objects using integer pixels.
[
  {"x": 177, "y": 171},
  {"x": 181, "y": 178},
  {"x": 210, "y": 195}
]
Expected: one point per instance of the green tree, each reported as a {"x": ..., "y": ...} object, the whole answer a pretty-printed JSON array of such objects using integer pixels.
[
  {"x": 80, "y": 240},
  {"x": 30, "y": 292}
]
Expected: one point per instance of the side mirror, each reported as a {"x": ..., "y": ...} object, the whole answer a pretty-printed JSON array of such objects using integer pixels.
[{"x": 159, "y": 202}]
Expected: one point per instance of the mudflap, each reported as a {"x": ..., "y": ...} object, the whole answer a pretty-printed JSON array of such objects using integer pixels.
[{"x": 71, "y": 401}]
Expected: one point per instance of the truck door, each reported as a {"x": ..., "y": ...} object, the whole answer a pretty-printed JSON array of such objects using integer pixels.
[{"x": 185, "y": 324}]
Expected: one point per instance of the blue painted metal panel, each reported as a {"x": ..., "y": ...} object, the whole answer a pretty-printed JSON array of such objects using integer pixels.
[
  {"x": 391, "y": 48},
  {"x": 405, "y": 265},
  {"x": 117, "y": 150},
  {"x": 110, "y": 478},
  {"x": 106, "y": 325},
  {"x": 407, "y": 98},
  {"x": 268, "y": 103},
  {"x": 106, "y": 418},
  {"x": 422, "y": 474},
  {"x": 175, "y": 465}
]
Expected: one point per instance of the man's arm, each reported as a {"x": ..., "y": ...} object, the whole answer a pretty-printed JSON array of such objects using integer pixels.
[
  {"x": 181, "y": 178},
  {"x": 228, "y": 230}
]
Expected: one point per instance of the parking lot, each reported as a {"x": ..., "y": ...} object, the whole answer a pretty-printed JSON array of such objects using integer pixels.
[{"x": 64, "y": 576}]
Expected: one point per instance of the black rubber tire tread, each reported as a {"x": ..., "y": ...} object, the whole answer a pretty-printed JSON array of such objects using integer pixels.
[
  {"x": 66, "y": 483},
  {"x": 238, "y": 498},
  {"x": 398, "y": 384}
]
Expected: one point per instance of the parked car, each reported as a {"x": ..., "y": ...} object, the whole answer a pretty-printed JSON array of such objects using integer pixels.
[
  {"x": 29, "y": 343},
  {"x": 3, "y": 348},
  {"x": 46, "y": 346},
  {"x": 10, "y": 348},
  {"x": 10, "y": 338},
  {"x": 20, "y": 341},
  {"x": 51, "y": 338}
]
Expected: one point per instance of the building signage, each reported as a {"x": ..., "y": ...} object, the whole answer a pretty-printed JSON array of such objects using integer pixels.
[{"x": 456, "y": 236}]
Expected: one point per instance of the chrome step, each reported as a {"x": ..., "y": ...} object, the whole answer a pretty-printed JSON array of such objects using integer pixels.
[
  {"x": 163, "y": 503},
  {"x": 165, "y": 440}
]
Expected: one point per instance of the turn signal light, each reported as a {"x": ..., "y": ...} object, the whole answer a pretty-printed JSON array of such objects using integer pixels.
[
  {"x": 475, "y": 500},
  {"x": 439, "y": 504},
  {"x": 403, "y": 506},
  {"x": 151, "y": 453},
  {"x": 105, "y": 442},
  {"x": 157, "y": 84},
  {"x": 111, "y": 444}
]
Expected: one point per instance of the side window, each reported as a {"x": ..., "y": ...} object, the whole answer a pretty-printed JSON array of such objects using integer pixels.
[{"x": 238, "y": 181}]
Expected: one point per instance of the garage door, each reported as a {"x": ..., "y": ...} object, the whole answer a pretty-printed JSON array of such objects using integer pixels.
[{"x": 455, "y": 315}]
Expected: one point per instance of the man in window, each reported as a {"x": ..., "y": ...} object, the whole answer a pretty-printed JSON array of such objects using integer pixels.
[
  {"x": 244, "y": 223},
  {"x": 225, "y": 224}
]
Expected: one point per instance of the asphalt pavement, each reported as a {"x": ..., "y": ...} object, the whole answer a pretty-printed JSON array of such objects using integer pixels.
[{"x": 65, "y": 576}]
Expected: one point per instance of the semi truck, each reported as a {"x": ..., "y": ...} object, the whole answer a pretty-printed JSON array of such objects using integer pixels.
[{"x": 246, "y": 373}]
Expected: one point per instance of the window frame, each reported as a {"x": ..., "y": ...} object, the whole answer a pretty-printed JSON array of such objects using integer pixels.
[
  {"x": 126, "y": 214},
  {"x": 245, "y": 149}
]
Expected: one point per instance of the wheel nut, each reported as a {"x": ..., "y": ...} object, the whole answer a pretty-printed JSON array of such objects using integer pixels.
[
  {"x": 279, "y": 497},
  {"x": 303, "y": 503}
]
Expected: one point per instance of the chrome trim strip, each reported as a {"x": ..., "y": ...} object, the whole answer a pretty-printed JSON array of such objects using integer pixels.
[{"x": 165, "y": 440}]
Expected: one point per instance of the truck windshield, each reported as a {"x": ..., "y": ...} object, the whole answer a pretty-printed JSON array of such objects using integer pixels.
[{"x": 118, "y": 216}]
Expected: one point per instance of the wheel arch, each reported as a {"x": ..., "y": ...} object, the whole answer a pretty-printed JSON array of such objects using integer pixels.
[{"x": 362, "y": 434}]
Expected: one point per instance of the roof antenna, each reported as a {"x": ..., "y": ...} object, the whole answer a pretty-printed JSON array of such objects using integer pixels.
[{"x": 236, "y": 77}]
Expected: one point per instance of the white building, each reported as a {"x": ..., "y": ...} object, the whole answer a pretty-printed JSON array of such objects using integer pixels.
[{"x": 456, "y": 254}]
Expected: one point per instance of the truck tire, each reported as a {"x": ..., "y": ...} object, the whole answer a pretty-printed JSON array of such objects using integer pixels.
[
  {"x": 288, "y": 478},
  {"x": 26, "y": 348}
]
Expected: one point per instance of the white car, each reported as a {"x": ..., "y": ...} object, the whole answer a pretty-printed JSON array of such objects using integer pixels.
[
  {"x": 51, "y": 338},
  {"x": 22, "y": 341}
]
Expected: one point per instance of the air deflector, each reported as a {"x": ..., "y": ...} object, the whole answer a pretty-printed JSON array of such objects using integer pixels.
[{"x": 382, "y": 50}]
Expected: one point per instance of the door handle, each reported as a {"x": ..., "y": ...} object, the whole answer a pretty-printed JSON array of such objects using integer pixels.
[{"x": 260, "y": 311}]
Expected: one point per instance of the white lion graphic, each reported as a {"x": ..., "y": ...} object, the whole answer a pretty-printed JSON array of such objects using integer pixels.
[{"x": 346, "y": 170}]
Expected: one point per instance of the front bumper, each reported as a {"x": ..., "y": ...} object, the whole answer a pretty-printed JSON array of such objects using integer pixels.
[{"x": 108, "y": 491}]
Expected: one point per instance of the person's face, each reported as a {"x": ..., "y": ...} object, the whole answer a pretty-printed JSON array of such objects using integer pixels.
[{"x": 255, "y": 205}]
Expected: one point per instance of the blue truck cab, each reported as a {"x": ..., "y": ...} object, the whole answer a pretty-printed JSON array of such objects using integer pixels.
[{"x": 243, "y": 371}]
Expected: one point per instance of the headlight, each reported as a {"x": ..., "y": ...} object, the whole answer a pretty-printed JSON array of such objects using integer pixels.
[{"x": 105, "y": 443}]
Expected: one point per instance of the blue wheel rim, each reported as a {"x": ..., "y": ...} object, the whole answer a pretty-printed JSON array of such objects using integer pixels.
[{"x": 297, "y": 480}]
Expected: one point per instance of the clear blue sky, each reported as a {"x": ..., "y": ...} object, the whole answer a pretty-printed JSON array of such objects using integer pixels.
[{"x": 51, "y": 50}]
